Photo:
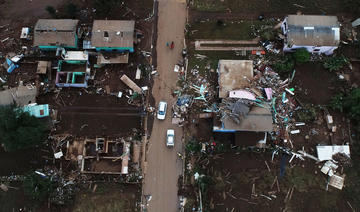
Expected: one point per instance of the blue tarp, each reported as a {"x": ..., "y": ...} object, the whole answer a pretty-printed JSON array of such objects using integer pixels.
[{"x": 12, "y": 65}]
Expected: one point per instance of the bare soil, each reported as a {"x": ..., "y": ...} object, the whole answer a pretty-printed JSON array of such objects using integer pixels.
[{"x": 315, "y": 84}]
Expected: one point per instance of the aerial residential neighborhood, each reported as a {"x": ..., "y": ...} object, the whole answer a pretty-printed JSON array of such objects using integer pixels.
[{"x": 179, "y": 105}]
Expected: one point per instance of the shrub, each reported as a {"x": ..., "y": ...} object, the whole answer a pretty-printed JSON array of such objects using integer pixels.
[
  {"x": 301, "y": 56},
  {"x": 104, "y": 7},
  {"x": 284, "y": 67},
  {"x": 51, "y": 10},
  {"x": 335, "y": 63},
  {"x": 351, "y": 104},
  {"x": 336, "y": 103},
  {"x": 306, "y": 114},
  {"x": 37, "y": 187},
  {"x": 193, "y": 147}
]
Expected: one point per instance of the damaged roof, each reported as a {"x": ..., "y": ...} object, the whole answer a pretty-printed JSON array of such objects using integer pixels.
[
  {"x": 313, "y": 30},
  {"x": 55, "y": 32},
  {"x": 257, "y": 120},
  {"x": 233, "y": 75},
  {"x": 113, "y": 33},
  {"x": 21, "y": 96}
]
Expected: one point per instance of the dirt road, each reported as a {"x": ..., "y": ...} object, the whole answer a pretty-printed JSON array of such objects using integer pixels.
[{"x": 163, "y": 164}]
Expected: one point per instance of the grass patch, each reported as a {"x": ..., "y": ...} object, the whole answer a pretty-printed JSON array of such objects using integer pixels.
[
  {"x": 106, "y": 198},
  {"x": 273, "y": 6},
  {"x": 234, "y": 30},
  {"x": 302, "y": 180}
]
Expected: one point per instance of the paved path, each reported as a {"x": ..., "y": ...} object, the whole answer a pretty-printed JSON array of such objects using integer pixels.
[{"x": 163, "y": 165}]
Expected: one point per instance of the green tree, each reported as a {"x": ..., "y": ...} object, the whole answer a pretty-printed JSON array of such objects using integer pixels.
[
  {"x": 19, "y": 130},
  {"x": 51, "y": 10},
  {"x": 71, "y": 10},
  {"x": 37, "y": 187},
  {"x": 284, "y": 66},
  {"x": 301, "y": 56}
]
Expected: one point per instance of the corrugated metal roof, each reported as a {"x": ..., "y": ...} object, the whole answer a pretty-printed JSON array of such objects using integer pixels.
[
  {"x": 55, "y": 32},
  {"x": 120, "y": 33},
  {"x": 56, "y": 25},
  {"x": 313, "y": 30}
]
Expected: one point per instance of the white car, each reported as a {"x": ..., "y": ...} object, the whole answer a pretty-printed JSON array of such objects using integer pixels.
[
  {"x": 162, "y": 110},
  {"x": 170, "y": 138}
]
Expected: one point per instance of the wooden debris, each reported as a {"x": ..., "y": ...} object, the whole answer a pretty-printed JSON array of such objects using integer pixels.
[
  {"x": 253, "y": 194},
  {"x": 269, "y": 198},
  {"x": 246, "y": 200},
  {"x": 94, "y": 189},
  {"x": 291, "y": 193},
  {"x": 352, "y": 209},
  {"x": 272, "y": 185},
  {"x": 267, "y": 165},
  {"x": 231, "y": 195}
]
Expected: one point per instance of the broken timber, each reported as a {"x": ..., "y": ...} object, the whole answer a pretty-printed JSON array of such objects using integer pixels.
[{"x": 131, "y": 84}]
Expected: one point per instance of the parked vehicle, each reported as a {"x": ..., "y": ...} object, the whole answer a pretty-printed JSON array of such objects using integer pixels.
[
  {"x": 162, "y": 110},
  {"x": 170, "y": 138}
]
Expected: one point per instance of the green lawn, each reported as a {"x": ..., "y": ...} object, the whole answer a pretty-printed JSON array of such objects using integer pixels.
[
  {"x": 234, "y": 30},
  {"x": 107, "y": 197},
  {"x": 275, "y": 6}
]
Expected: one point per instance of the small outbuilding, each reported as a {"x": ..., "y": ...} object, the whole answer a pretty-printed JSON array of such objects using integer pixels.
[
  {"x": 113, "y": 35},
  {"x": 316, "y": 33},
  {"x": 49, "y": 34}
]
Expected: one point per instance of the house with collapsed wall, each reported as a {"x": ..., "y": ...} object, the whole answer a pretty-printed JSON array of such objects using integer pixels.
[
  {"x": 113, "y": 39},
  {"x": 73, "y": 69},
  {"x": 234, "y": 78},
  {"x": 100, "y": 155},
  {"x": 316, "y": 33},
  {"x": 72, "y": 75},
  {"x": 50, "y": 34}
]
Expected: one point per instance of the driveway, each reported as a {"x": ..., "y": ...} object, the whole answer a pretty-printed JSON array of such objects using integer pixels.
[{"x": 163, "y": 165}]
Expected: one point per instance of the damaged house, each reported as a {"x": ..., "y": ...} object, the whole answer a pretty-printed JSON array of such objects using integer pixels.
[
  {"x": 316, "y": 33},
  {"x": 50, "y": 34},
  {"x": 113, "y": 39},
  {"x": 237, "y": 115},
  {"x": 100, "y": 155}
]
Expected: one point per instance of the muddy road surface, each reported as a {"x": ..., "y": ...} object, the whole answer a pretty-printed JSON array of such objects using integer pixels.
[{"x": 163, "y": 164}]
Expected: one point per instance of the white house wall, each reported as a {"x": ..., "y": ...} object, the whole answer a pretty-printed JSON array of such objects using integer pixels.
[{"x": 327, "y": 50}]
